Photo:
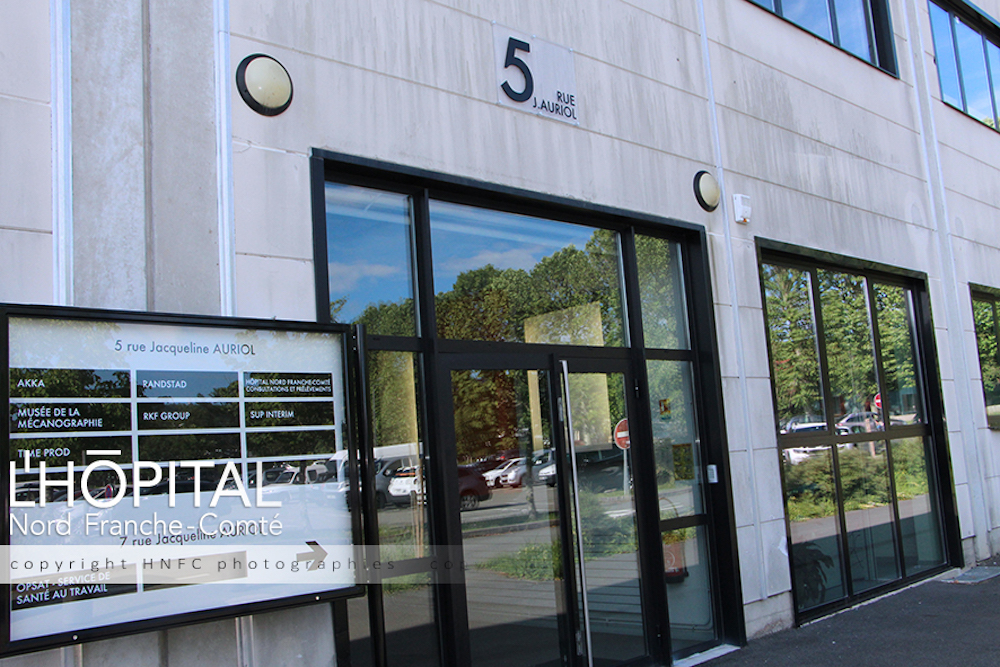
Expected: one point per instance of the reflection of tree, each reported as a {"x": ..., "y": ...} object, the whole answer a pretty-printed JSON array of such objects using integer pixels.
[
  {"x": 909, "y": 465},
  {"x": 849, "y": 347},
  {"x": 795, "y": 362},
  {"x": 393, "y": 397},
  {"x": 896, "y": 341},
  {"x": 983, "y": 312},
  {"x": 810, "y": 491},
  {"x": 660, "y": 289},
  {"x": 486, "y": 420},
  {"x": 492, "y": 304},
  {"x": 388, "y": 319},
  {"x": 864, "y": 476}
]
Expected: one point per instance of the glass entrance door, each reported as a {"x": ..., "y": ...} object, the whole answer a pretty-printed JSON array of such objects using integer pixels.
[
  {"x": 514, "y": 525},
  {"x": 606, "y": 538}
]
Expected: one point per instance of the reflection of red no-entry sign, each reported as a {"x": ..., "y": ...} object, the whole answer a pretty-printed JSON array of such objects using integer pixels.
[
  {"x": 621, "y": 435},
  {"x": 878, "y": 401}
]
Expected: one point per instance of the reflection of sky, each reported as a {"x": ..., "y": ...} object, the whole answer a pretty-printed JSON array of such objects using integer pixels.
[
  {"x": 465, "y": 238},
  {"x": 813, "y": 15},
  {"x": 973, "y": 61},
  {"x": 852, "y": 28},
  {"x": 944, "y": 50},
  {"x": 368, "y": 246},
  {"x": 993, "y": 54}
]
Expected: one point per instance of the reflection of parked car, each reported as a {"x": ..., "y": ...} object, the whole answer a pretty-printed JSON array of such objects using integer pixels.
[
  {"x": 547, "y": 474},
  {"x": 472, "y": 487},
  {"x": 859, "y": 422},
  {"x": 385, "y": 469},
  {"x": 804, "y": 423},
  {"x": 599, "y": 467},
  {"x": 494, "y": 477}
]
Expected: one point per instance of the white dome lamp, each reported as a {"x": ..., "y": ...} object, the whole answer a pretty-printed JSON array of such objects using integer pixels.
[
  {"x": 264, "y": 84},
  {"x": 706, "y": 191}
]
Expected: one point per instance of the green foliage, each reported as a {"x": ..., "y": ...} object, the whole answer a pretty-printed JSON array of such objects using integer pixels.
[
  {"x": 535, "y": 561},
  {"x": 603, "y": 535},
  {"x": 848, "y": 337},
  {"x": 989, "y": 360},
  {"x": 792, "y": 330}
]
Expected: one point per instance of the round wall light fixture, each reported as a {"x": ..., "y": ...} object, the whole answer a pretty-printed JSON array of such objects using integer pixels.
[
  {"x": 706, "y": 190},
  {"x": 264, "y": 84}
]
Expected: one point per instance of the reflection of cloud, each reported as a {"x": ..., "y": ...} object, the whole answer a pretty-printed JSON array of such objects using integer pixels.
[
  {"x": 347, "y": 276},
  {"x": 515, "y": 258}
]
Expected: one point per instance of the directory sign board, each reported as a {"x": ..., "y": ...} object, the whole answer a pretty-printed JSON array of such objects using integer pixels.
[{"x": 169, "y": 468}]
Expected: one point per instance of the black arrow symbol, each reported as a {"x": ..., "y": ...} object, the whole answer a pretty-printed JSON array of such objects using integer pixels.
[{"x": 317, "y": 555}]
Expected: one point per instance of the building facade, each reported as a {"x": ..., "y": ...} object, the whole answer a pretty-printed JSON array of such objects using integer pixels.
[{"x": 740, "y": 399}]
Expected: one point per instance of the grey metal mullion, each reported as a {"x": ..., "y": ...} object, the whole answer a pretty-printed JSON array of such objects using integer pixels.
[
  {"x": 870, "y": 30},
  {"x": 834, "y": 28}
]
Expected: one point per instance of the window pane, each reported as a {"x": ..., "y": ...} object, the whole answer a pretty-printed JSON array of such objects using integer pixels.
[
  {"x": 513, "y": 278},
  {"x": 393, "y": 400},
  {"x": 849, "y": 352},
  {"x": 610, "y": 560},
  {"x": 402, "y": 515},
  {"x": 903, "y": 400},
  {"x": 993, "y": 55},
  {"x": 944, "y": 54},
  {"x": 689, "y": 587},
  {"x": 675, "y": 433},
  {"x": 871, "y": 544},
  {"x": 987, "y": 339},
  {"x": 369, "y": 259},
  {"x": 661, "y": 291},
  {"x": 918, "y": 516},
  {"x": 811, "y": 505},
  {"x": 972, "y": 58},
  {"x": 813, "y": 15},
  {"x": 794, "y": 359},
  {"x": 852, "y": 27}
]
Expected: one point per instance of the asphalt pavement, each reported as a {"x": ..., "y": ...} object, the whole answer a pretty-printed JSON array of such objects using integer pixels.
[{"x": 951, "y": 620}]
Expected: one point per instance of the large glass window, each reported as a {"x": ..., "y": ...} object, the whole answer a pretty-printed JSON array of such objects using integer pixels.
[
  {"x": 860, "y": 27},
  {"x": 968, "y": 62},
  {"x": 984, "y": 310},
  {"x": 513, "y": 278},
  {"x": 857, "y": 462},
  {"x": 370, "y": 259}
]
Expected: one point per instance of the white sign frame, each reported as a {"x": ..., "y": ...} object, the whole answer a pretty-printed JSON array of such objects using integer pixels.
[{"x": 288, "y": 364}]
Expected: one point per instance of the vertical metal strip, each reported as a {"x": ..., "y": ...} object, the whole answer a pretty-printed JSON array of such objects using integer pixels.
[
  {"x": 224, "y": 160},
  {"x": 576, "y": 510},
  {"x": 734, "y": 288},
  {"x": 951, "y": 287},
  {"x": 244, "y": 641},
  {"x": 62, "y": 152}
]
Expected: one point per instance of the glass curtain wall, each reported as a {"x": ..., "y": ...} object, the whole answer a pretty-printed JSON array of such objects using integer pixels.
[{"x": 857, "y": 462}]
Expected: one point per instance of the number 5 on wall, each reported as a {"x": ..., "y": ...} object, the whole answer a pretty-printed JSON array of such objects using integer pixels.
[{"x": 514, "y": 45}]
